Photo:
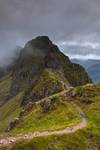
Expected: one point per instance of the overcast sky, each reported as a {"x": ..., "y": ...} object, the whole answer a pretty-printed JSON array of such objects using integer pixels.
[{"x": 73, "y": 24}]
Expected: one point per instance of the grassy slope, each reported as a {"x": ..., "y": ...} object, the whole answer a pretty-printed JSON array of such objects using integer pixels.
[
  {"x": 76, "y": 141},
  {"x": 5, "y": 84},
  {"x": 47, "y": 81},
  {"x": 51, "y": 77},
  {"x": 62, "y": 116},
  {"x": 50, "y": 82},
  {"x": 88, "y": 138},
  {"x": 9, "y": 111},
  {"x": 92, "y": 110}
]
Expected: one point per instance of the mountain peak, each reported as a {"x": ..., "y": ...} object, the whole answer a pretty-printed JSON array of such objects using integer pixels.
[
  {"x": 40, "y": 46},
  {"x": 43, "y": 38},
  {"x": 38, "y": 55}
]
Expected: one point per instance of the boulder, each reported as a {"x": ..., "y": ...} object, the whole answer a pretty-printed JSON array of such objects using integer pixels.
[
  {"x": 87, "y": 100},
  {"x": 48, "y": 105},
  {"x": 27, "y": 109},
  {"x": 13, "y": 123}
]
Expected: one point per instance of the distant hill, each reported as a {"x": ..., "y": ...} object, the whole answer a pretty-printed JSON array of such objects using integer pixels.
[{"x": 92, "y": 67}]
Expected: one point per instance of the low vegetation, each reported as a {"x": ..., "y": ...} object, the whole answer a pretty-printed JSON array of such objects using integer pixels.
[
  {"x": 48, "y": 116},
  {"x": 9, "y": 111},
  {"x": 88, "y": 138},
  {"x": 5, "y": 84},
  {"x": 41, "y": 70}
]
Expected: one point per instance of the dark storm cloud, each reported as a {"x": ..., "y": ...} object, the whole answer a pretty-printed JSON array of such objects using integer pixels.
[{"x": 61, "y": 20}]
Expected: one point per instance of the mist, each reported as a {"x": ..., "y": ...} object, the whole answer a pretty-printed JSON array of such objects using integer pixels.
[{"x": 66, "y": 20}]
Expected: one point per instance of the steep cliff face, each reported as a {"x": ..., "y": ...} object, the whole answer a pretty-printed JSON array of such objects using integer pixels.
[{"x": 38, "y": 55}]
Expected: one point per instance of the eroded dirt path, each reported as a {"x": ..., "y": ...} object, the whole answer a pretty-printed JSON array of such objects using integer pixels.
[{"x": 5, "y": 141}]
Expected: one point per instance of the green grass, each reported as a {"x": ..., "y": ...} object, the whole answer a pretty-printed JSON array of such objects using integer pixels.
[
  {"x": 9, "y": 111},
  {"x": 5, "y": 84},
  {"x": 50, "y": 82},
  {"x": 74, "y": 141},
  {"x": 47, "y": 80},
  {"x": 64, "y": 115},
  {"x": 92, "y": 112},
  {"x": 87, "y": 138}
]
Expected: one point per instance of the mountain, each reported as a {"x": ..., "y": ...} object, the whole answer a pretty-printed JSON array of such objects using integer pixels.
[
  {"x": 94, "y": 71},
  {"x": 48, "y": 102},
  {"x": 92, "y": 67},
  {"x": 41, "y": 70}
]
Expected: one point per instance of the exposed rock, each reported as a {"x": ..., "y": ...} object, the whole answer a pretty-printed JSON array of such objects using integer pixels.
[
  {"x": 87, "y": 100},
  {"x": 27, "y": 109},
  {"x": 13, "y": 123},
  {"x": 22, "y": 113},
  {"x": 72, "y": 93},
  {"x": 48, "y": 105}
]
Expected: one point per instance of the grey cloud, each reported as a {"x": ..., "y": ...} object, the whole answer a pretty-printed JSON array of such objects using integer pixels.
[
  {"x": 22, "y": 20},
  {"x": 81, "y": 50}
]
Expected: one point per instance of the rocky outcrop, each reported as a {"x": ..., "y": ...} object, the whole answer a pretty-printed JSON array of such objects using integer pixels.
[
  {"x": 27, "y": 109},
  {"x": 12, "y": 124},
  {"x": 49, "y": 104}
]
